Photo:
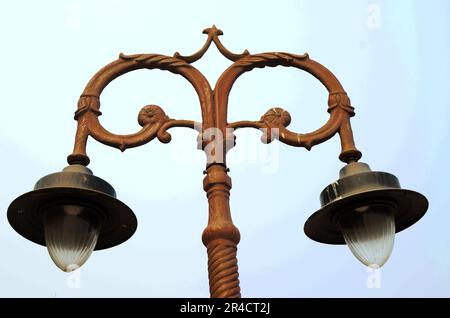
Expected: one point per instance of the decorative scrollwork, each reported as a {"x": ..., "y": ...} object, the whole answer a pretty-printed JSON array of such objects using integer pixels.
[
  {"x": 152, "y": 118},
  {"x": 274, "y": 122},
  {"x": 276, "y": 117},
  {"x": 158, "y": 60},
  {"x": 341, "y": 100},
  {"x": 339, "y": 105},
  {"x": 88, "y": 103},
  {"x": 213, "y": 36},
  {"x": 151, "y": 114},
  {"x": 164, "y": 136},
  {"x": 213, "y": 103},
  {"x": 269, "y": 59}
]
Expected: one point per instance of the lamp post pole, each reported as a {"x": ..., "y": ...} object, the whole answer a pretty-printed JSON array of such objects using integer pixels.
[{"x": 74, "y": 206}]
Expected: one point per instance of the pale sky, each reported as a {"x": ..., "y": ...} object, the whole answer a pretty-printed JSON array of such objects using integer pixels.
[{"x": 392, "y": 57}]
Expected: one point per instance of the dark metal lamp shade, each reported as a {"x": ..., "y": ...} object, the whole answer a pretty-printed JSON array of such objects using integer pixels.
[
  {"x": 74, "y": 186},
  {"x": 359, "y": 186}
]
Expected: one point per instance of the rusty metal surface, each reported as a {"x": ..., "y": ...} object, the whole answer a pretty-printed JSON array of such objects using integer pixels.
[{"x": 220, "y": 236}]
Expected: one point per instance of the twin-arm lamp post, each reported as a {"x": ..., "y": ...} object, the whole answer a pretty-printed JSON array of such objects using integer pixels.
[{"x": 74, "y": 212}]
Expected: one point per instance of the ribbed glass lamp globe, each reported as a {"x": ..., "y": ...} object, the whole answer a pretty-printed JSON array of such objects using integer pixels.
[
  {"x": 369, "y": 232},
  {"x": 71, "y": 233}
]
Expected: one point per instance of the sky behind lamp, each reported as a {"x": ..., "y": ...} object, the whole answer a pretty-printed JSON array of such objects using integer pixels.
[{"x": 73, "y": 212}]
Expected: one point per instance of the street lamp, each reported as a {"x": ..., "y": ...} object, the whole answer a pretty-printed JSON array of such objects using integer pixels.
[{"x": 74, "y": 212}]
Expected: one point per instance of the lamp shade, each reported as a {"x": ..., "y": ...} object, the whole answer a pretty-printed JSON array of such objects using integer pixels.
[
  {"x": 358, "y": 187},
  {"x": 72, "y": 212}
]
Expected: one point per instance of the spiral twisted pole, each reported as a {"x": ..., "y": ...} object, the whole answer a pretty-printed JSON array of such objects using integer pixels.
[{"x": 223, "y": 269}]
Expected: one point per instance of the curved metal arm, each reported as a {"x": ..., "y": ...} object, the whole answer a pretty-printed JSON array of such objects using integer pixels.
[
  {"x": 214, "y": 104},
  {"x": 153, "y": 119},
  {"x": 276, "y": 120}
]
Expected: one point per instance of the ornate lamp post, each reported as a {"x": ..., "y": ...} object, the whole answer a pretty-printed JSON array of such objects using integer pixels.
[{"x": 74, "y": 212}]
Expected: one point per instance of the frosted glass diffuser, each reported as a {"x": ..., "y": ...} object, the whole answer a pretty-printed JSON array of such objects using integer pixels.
[
  {"x": 369, "y": 232},
  {"x": 71, "y": 233}
]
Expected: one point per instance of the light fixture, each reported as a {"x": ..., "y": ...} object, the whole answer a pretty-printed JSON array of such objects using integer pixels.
[
  {"x": 73, "y": 213},
  {"x": 364, "y": 209}
]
